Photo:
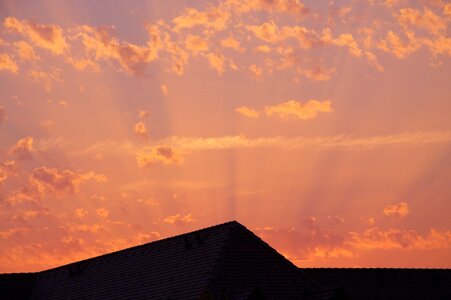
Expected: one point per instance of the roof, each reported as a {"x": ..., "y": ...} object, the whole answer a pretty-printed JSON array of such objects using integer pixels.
[
  {"x": 384, "y": 283},
  {"x": 225, "y": 260}
]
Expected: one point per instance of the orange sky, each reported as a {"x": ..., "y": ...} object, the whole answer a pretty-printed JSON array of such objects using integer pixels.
[{"x": 322, "y": 126}]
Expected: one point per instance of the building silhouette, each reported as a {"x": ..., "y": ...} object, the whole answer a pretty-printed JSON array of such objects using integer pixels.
[{"x": 225, "y": 261}]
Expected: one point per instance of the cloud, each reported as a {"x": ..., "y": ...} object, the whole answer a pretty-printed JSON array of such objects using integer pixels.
[
  {"x": 376, "y": 238},
  {"x": 47, "y": 36},
  {"x": 196, "y": 44},
  {"x": 255, "y": 70},
  {"x": 141, "y": 130},
  {"x": 8, "y": 64},
  {"x": 214, "y": 18},
  {"x": 131, "y": 57},
  {"x": 23, "y": 149},
  {"x": 410, "y": 17},
  {"x": 271, "y": 33},
  {"x": 399, "y": 210},
  {"x": 232, "y": 43},
  {"x": 293, "y": 109},
  {"x": 7, "y": 169},
  {"x": 2, "y": 115},
  {"x": 216, "y": 62},
  {"x": 247, "y": 112},
  {"x": 393, "y": 44},
  {"x": 307, "y": 242},
  {"x": 346, "y": 40},
  {"x": 159, "y": 154},
  {"x": 82, "y": 64},
  {"x": 102, "y": 212},
  {"x": 179, "y": 219},
  {"x": 81, "y": 212},
  {"x": 318, "y": 72},
  {"x": 345, "y": 142},
  {"x": 55, "y": 181},
  {"x": 25, "y": 51},
  {"x": 46, "y": 78},
  {"x": 281, "y": 6},
  {"x": 143, "y": 114}
]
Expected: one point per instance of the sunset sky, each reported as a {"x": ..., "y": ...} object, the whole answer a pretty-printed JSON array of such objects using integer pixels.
[{"x": 322, "y": 126}]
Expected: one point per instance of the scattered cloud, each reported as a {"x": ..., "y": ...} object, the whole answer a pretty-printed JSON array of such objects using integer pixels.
[
  {"x": 55, "y": 181},
  {"x": 293, "y": 109},
  {"x": 248, "y": 112},
  {"x": 81, "y": 212},
  {"x": 46, "y": 78},
  {"x": 104, "y": 45},
  {"x": 8, "y": 64},
  {"x": 159, "y": 154},
  {"x": 102, "y": 212},
  {"x": 7, "y": 169},
  {"x": 376, "y": 238},
  {"x": 25, "y": 51},
  {"x": 232, "y": 43},
  {"x": 399, "y": 210},
  {"x": 23, "y": 149},
  {"x": 214, "y": 18},
  {"x": 141, "y": 130},
  {"x": 47, "y": 36},
  {"x": 345, "y": 142},
  {"x": 216, "y": 62},
  {"x": 179, "y": 219},
  {"x": 196, "y": 44}
]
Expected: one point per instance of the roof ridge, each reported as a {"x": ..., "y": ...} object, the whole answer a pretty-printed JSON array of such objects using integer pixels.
[
  {"x": 371, "y": 268},
  {"x": 228, "y": 223}
]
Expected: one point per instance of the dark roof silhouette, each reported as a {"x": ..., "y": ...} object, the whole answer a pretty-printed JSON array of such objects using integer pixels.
[{"x": 225, "y": 261}]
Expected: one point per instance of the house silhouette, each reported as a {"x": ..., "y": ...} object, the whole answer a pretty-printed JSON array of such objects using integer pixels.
[{"x": 226, "y": 261}]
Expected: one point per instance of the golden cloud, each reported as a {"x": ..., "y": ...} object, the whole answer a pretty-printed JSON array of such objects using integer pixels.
[
  {"x": 47, "y": 36},
  {"x": 7, "y": 169},
  {"x": 399, "y": 210},
  {"x": 215, "y": 18},
  {"x": 376, "y": 238},
  {"x": 401, "y": 49},
  {"x": 232, "y": 43},
  {"x": 427, "y": 20},
  {"x": 216, "y": 62},
  {"x": 140, "y": 130},
  {"x": 23, "y": 149},
  {"x": 131, "y": 57},
  {"x": 281, "y": 6},
  {"x": 345, "y": 142},
  {"x": 196, "y": 44},
  {"x": 159, "y": 154},
  {"x": 247, "y": 112},
  {"x": 8, "y": 64},
  {"x": 25, "y": 51},
  {"x": 58, "y": 182},
  {"x": 179, "y": 219},
  {"x": 102, "y": 212},
  {"x": 293, "y": 109}
]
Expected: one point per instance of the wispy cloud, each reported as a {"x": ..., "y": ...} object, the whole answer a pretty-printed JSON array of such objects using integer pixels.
[
  {"x": 292, "y": 110},
  {"x": 47, "y": 36},
  {"x": 399, "y": 210}
]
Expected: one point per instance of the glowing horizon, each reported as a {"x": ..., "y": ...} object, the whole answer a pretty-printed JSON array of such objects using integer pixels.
[{"x": 322, "y": 127}]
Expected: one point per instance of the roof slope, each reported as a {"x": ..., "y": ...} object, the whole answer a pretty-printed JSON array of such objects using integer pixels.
[
  {"x": 246, "y": 258},
  {"x": 385, "y": 283},
  {"x": 173, "y": 268}
]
